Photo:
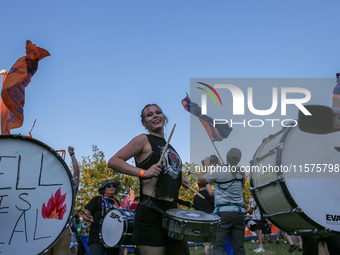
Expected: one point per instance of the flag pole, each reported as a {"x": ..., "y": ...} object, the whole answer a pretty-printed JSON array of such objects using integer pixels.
[
  {"x": 4, "y": 73},
  {"x": 217, "y": 152}
]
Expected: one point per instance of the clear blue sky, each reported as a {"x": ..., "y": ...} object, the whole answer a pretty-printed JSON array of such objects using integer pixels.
[{"x": 109, "y": 58}]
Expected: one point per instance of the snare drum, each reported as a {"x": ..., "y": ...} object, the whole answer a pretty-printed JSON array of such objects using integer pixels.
[
  {"x": 117, "y": 228},
  {"x": 295, "y": 200},
  {"x": 36, "y": 195},
  {"x": 191, "y": 225}
]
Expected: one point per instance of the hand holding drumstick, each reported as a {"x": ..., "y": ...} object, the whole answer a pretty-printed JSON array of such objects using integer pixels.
[{"x": 86, "y": 215}]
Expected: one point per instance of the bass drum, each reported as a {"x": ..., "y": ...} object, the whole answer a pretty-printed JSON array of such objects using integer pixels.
[
  {"x": 36, "y": 195},
  {"x": 117, "y": 228},
  {"x": 295, "y": 181}
]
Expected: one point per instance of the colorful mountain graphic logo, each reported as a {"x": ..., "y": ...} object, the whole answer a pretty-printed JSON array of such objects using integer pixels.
[{"x": 209, "y": 93}]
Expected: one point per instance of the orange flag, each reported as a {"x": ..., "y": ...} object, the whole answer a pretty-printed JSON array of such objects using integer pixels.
[
  {"x": 7, "y": 120},
  {"x": 13, "y": 88}
]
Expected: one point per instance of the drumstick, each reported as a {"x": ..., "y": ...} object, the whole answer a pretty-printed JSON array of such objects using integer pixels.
[
  {"x": 167, "y": 143},
  {"x": 160, "y": 160},
  {"x": 79, "y": 209},
  {"x": 199, "y": 194}
]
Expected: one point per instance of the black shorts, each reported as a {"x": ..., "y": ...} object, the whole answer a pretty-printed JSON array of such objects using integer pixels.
[
  {"x": 147, "y": 228},
  {"x": 259, "y": 225},
  {"x": 263, "y": 226},
  {"x": 266, "y": 229}
]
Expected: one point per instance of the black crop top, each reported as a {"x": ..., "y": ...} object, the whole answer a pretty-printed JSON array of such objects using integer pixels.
[{"x": 170, "y": 178}]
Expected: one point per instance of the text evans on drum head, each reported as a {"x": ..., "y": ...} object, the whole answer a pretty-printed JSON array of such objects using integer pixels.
[
  {"x": 36, "y": 195},
  {"x": 117, "y": 228},
  {"x": 294, "y": 200},
  {"x": 191, "y": 225}
]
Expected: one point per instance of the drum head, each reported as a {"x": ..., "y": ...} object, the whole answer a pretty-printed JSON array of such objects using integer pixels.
[
  {"x": 36, "y": 195},
  {"x": 192, "y": 215},
  {"x": 316, "y": 193},
  {"x": 112, "y": 228}
]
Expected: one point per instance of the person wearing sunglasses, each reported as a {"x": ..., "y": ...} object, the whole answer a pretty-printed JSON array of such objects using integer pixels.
[{"x": 96, "y": 209}]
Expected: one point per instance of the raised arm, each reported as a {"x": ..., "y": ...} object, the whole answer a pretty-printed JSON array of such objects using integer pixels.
[
  {"x": 76, "y": 171},
  {"x": 200, "y": 179}
]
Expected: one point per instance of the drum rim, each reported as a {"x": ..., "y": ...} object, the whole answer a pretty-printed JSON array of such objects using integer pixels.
[
  {"x": 217, "y": 218},
  {"x": 286, "y": 193},
  {"x": 283, "y": 185},
  {"x": 264, "y": 141},
  {"x": 30, "y": 139}
]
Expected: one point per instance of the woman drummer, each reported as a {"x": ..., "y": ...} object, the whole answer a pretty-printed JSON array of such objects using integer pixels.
[
  {"x": 160, "y": 183},
  {"x": 95, "y": 211}
]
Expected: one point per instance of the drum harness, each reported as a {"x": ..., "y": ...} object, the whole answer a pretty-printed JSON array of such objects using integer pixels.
[
  {"x": 232, "y": 182},
  {"x": 147, "y": 201}
]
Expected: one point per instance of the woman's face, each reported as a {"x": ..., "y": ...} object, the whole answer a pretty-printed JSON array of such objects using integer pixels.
[
  {"x": 154, "y": 118},
  {"x": 109, "y": 189}
]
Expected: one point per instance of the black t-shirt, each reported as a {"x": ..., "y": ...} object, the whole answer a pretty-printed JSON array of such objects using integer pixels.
[
  {"x": 170, "y": 179},
  {"x": 207, "y": 204},
  {"x": 95, "y": 208}
]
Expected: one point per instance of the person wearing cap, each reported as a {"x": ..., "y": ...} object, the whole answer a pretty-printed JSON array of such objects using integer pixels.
[
  {"x": 96, "y": 209},
  {"x": 228, "y": 183}
]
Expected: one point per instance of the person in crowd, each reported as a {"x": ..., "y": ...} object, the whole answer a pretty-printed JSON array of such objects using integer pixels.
[
  {"x": 159, "y": 181},
  {"x": 293, "y": 242},
  {"x": 95, "y": 210},
  {"x": 74, "y": 228},
  {"x": 63, "y": 245},
  {"x": 316, "y": 245},
  {"x": 229, "y": 203},
  {"x": 135, "y": 203},
  {"x": 84, "y": 238},
  {"x": 266, "y": 230},
  {"x": 206, "y": 205},
  {"x": 75, "y": 217},
  {"x": 278, "y": 235},
  {"x": 256, "y": 216}
]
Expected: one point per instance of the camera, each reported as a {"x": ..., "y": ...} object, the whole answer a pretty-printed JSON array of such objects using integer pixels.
[
  {"x": 213, "y": 160},
  {"x": 250, "y": 224}
]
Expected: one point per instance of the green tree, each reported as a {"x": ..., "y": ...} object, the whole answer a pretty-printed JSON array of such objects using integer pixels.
[
  {"x": 186, "y": 194},
  {"x": 245, "y": 191},
  {"x": 94, "y": 171}
]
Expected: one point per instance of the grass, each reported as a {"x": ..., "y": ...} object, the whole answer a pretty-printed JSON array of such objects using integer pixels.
[{"x": 271, "y": 248}]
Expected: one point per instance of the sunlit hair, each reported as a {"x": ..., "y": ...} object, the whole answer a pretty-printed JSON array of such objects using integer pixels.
[{"x": 142, "y": 115}]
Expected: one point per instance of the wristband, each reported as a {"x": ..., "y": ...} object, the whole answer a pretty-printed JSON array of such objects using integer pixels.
[
  {"x": 71, "y": 154},
  {"x": 141, "y": 173}
]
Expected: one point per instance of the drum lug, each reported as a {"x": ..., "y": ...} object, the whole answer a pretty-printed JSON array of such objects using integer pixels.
[
  {"x": 326, "y": 232},
  {"x": 297, "y": 209},
  {"x": 294, "y": 210},
  {"x": 280, "y": 146},
  {"x": 165, "y": 222},
  {"x": 278, "y": 179}
]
